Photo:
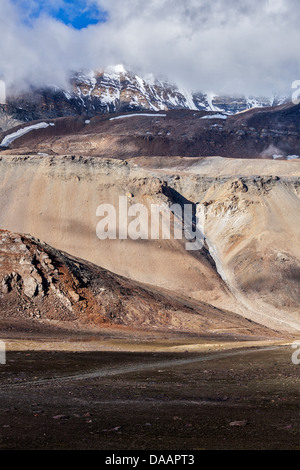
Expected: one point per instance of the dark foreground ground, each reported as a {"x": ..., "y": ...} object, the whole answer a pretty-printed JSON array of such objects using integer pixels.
[{"x": 117, "y": 400}]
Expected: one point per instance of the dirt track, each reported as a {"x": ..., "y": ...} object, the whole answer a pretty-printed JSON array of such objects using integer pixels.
[
  {"x": 141, "y": 367},
  {"x": 150, "y": 396}
]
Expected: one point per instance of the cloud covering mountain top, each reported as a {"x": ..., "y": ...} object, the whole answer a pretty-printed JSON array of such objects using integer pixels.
[{"x": 250, "y": 46}]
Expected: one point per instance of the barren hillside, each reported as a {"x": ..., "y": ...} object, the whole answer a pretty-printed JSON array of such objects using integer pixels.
[
  {"x": 43, "y": 287},
  {"x": 259, "y": 133},
  {"x": 249, "y": 264}
]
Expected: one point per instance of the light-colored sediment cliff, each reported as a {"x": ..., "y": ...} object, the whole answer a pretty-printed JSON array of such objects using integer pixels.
[{"x": 251, "y": 223}]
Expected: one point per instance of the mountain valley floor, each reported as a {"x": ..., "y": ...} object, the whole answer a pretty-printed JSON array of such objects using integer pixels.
[{"x": 121, "y": 389}]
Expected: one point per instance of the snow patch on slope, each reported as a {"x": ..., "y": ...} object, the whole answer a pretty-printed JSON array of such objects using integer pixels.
[
  {"x": 139, "y": 114},
  {"x": 188, "y": 98},
  {"x": 210, "y": 97},
  {"x": 19, "y": 133},
  {"x": 215, "y": 116},
  {"x": 292, "y": 157}
]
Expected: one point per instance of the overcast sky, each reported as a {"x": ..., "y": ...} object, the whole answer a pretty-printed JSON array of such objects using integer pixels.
[{"x": 220, "y": 46}]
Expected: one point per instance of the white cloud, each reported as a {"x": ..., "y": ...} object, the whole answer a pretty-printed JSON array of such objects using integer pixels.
[{"x": 250, "y": 46}]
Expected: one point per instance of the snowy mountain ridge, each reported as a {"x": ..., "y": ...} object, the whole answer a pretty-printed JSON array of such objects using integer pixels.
[
  {"x": 116, "y": 87},
  {"x": 117, "y": 90}
]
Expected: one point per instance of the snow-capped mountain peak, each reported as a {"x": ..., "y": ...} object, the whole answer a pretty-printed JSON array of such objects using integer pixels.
[{"x": 117, "y": 89}]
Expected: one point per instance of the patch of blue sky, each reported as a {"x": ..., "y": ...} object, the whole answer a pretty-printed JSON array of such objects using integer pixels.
[{"x": 76, "y": 13}]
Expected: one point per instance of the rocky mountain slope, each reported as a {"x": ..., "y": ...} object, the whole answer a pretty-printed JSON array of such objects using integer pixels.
[
  {"x": 249, "y": 264},
  {"x": 114, "y": 90},
  {"x": 272, "y": 133},
  {"x": 251, "y": 224},
  {"x": 43, "y": 286}
]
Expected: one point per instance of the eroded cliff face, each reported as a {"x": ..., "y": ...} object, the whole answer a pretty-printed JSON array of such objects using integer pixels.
[
  {"x": 56, "y": 199},
  {"x": 252, "y": 229},
  {"x": 249, "y": 263},
  {"x": 251, "y": 225}
]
